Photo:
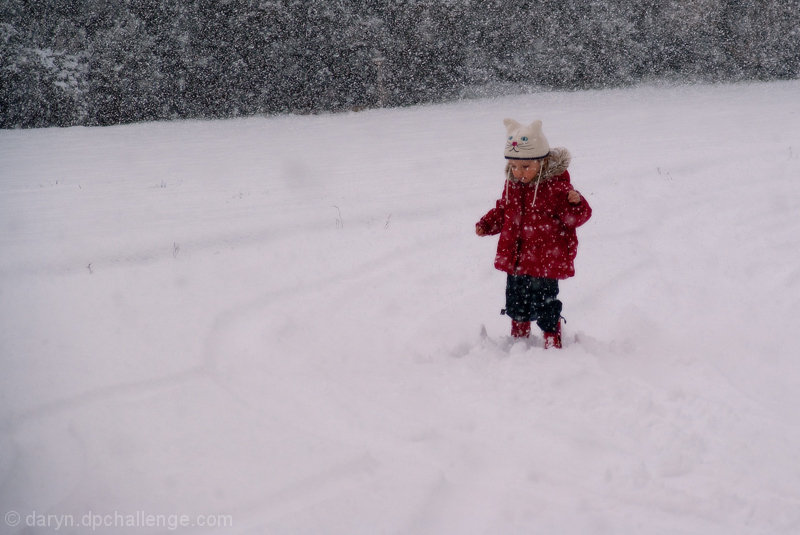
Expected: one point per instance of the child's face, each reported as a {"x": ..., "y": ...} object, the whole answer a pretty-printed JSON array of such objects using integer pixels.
[{"x": 525, "y": 170}]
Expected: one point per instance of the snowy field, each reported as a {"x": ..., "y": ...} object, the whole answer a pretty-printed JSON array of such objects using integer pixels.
[{"x": 278, "y": 320}]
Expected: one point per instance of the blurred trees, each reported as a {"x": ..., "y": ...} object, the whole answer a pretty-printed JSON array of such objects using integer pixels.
[{"x": 100, "y": 62}]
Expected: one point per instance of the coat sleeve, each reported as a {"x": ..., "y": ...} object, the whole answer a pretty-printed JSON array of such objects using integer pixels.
[
  {"x": 492, "y": 222},
  {"x": 575, "y": 215},
  {"x": 572, "y": 215}
]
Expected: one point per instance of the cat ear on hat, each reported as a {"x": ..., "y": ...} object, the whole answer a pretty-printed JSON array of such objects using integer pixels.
[
  {"x": 511, "y": 125},
  {"x": 536, "y": 126}
]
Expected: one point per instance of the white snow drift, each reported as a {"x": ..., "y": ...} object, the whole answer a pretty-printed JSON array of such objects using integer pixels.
[{"x": 278, "y": 320}]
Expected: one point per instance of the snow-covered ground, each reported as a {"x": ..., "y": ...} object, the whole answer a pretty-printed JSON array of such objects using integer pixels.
[{"x": 278, "y": 320}]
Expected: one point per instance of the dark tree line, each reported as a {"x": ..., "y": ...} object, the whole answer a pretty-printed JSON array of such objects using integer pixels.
[{"x": 100, "y": 62}]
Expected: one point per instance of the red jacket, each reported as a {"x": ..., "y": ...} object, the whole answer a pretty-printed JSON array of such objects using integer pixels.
[{"x": 537, "y": 240}]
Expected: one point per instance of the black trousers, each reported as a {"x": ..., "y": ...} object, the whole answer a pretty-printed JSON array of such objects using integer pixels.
[{"x": 533, "y": 299}]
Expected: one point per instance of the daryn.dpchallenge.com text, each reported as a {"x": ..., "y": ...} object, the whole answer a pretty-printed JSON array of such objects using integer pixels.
[{"x": 94, "y": 521}]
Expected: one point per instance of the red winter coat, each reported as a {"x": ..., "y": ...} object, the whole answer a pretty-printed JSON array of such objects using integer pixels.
[{"x": 538, "y": 240}]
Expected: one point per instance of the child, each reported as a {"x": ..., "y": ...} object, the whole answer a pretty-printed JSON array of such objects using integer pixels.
[{"x": 536, "y": 218}]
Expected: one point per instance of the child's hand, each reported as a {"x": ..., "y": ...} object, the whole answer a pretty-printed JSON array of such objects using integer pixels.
[
  {"x": 573, "y": 196},
  {"x": 479, "y": 231}
]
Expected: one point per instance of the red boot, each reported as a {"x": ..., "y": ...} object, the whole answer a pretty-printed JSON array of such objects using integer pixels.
[
  {"x": 520, "y": 329},
  {"x": 553, "y": 339}
]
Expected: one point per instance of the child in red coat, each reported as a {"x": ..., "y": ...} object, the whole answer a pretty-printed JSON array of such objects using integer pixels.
[{"x": 536, "y": 218}]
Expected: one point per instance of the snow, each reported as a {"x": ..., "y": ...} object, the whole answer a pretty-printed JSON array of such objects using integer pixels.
[{"x": 278, "y": 319}]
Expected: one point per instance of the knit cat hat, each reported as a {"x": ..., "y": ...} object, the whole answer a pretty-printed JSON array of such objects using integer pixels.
[{"x": 525, "y": 142}]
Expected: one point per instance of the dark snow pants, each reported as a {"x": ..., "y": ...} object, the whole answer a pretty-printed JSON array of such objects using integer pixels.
[{"x": 533, "y": 299}]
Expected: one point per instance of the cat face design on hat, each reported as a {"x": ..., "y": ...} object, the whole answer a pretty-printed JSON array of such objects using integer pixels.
[{"x": 525, "y": 142}]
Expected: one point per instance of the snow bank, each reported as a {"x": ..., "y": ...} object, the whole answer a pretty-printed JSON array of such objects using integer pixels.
[{"x": 278, "y": 320}]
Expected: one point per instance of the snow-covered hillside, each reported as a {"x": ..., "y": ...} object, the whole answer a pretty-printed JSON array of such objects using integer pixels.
[{"x": 278, "y": 320}]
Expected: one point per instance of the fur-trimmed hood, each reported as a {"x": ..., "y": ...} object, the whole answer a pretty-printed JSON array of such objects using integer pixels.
[{"x": 557, "y": 162}]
